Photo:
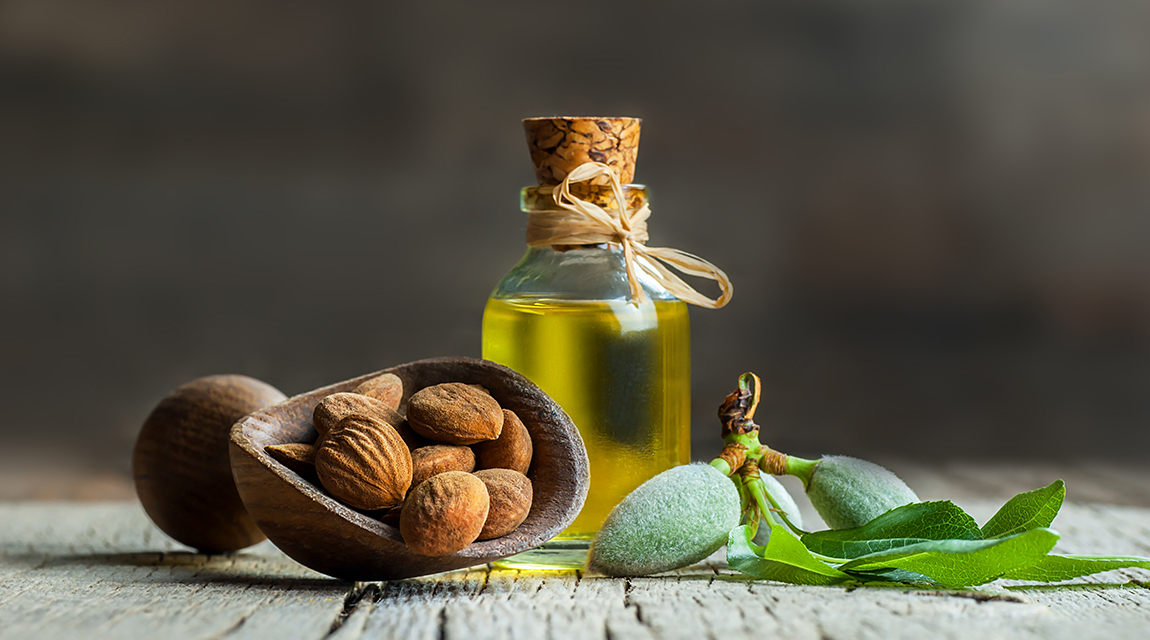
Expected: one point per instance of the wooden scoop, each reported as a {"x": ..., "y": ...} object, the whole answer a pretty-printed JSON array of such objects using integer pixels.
[{"x": 332, "y": 538}]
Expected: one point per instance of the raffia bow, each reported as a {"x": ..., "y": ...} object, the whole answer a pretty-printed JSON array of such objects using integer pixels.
[{"x": 580, "y": 222}]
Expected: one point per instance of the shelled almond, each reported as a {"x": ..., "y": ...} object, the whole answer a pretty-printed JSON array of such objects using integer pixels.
[{"x": 375, "y": 453}]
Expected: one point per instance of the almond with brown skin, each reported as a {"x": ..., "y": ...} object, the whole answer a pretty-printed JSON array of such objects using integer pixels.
[
  {"x": 454, "y": 413},
  {"x": 364, "y": 463},
  {"x": 296, "y": 456},
  {"x": 511, "y": 450},
  {"x": 337, "y": 406},
  {"x": 386, "y": 388},
  {"x": 510, "y": 495},
  {"x": 438, "y": 458},
  {"x": 444, "y": 514}
]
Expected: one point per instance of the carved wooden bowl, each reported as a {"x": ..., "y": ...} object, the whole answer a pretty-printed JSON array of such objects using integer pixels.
[{"x": 330, "y": 537}]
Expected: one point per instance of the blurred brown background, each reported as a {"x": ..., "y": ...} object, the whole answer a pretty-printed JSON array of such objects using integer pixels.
[{"x": 936, "y": 215}]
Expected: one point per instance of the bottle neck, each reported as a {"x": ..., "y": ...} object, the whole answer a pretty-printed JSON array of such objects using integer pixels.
[
  {"x": 592, "y": 272},
  {"x": 541, "y": 198},
  {"x": 563, "y": 248}
]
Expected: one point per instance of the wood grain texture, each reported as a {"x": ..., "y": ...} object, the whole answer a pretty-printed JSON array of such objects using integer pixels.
[
  {"x": 102, "y": 570},
  {"x": 304, "y": 521},
  {"x": 182, "y": 467}
]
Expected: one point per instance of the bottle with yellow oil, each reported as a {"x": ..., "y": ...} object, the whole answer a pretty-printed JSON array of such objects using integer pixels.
[{"x": 591, "y": 317}]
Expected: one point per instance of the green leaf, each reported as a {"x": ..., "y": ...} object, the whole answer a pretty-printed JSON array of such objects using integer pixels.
[
  {"x": 961, "y": 563},
  {"x": 1055, "y": 568},
  {"x": 899, "y": 527},
  {"x": 783, "y": 558},
  {"x": 895, "y": 575},
  {"x": 1026, "y": 511}
]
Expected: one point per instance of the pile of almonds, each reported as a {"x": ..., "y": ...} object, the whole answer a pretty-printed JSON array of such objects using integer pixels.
[{"x": 450, "y": 472}]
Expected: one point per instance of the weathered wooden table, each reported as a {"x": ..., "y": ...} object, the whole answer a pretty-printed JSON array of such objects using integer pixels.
[{"x": 101, "y": 570}]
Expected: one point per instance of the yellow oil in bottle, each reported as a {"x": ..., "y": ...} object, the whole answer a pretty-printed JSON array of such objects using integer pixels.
[{"x": 621, "y": 371}]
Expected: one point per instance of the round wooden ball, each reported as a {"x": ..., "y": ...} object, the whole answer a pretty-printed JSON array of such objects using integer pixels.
[{"x": 182, "y": 467}]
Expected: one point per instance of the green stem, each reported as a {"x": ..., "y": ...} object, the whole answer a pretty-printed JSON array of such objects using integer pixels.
[
  {"x": 801, "y": 468},
  {"x": 780, "y": 512},
  {"x": 740, "y": 432},
  {"x": 762, "y": 496},
  {"x": 749, "y": 440}
]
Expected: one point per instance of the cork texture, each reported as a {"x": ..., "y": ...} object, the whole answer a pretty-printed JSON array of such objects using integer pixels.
[{"x": 560, "y": 144}]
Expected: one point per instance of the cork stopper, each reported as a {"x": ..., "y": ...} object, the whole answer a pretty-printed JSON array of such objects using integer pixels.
[{"x": 560, "y": 144}]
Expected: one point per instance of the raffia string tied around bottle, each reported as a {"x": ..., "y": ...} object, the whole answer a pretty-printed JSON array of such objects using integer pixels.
[{"x": 577, "y": 221}]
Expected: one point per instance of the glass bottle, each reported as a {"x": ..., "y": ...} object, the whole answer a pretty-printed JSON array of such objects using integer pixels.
[{"x": 564, "y": 317}]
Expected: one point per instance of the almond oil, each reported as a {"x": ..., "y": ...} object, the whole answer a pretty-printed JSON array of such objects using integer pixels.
[{"x": 620, "y": 369}]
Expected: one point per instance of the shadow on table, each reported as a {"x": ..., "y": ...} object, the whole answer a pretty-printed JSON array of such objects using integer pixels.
[
  {"x": 973, "y": 593},
  {"x": 256, "y": 570},
  {"x": 190, "y": 567}
]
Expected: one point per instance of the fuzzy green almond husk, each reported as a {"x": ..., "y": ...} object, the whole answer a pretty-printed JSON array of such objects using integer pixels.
[
  {"x": 675, "y": 519},
  {"x": 849, "y": 492}
]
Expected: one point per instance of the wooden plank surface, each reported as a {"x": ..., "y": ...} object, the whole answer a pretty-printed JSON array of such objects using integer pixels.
[{"x": 101, "y": 570}]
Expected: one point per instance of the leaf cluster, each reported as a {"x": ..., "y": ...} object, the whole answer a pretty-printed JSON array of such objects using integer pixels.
[{"x": 933, "y": 543}]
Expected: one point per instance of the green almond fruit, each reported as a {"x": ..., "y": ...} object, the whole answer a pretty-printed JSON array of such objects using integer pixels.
[
  {"x": 675, "y": 519},
  {"x": 848, "y": 492}
]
